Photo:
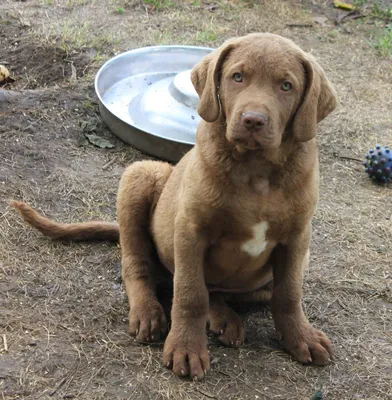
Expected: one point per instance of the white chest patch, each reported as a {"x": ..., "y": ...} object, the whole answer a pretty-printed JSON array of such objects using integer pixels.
[{"x": 255, "y": 246}]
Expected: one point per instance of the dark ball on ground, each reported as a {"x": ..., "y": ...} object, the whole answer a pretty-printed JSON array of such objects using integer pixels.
[{"x": 378, "y": 164}]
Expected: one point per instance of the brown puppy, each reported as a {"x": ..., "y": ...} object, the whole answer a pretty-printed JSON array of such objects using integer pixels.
[{"x": 234, "y": 214}]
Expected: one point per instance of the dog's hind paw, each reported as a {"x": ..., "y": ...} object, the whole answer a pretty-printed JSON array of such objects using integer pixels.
[{"x": 226, "y": 324}]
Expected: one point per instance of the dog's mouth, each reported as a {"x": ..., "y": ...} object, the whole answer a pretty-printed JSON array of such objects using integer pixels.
[
  {"x": 247, "y": 144},
  {"x": 266, "y": 140},
  {"x": 253, "y": 142}
]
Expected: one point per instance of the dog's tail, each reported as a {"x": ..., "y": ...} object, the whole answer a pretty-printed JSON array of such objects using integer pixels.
[{"x": 94, "y": 230}]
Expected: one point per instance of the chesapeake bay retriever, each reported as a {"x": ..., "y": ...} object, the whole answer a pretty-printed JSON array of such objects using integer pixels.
[{"x": 232, "y": 221}]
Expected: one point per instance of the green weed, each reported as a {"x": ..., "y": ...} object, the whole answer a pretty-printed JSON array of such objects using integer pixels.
[
  {"x": 205, "y": 36},
  {"x": 159, "y": 4},
  {"x": 383, "y": 42}
]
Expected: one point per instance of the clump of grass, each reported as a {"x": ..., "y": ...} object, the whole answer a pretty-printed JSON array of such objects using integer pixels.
[
  {"x": 70, "y": 37},
  {"x": 120, "y": 10},
  {"x": 382, "y": 12},
  {"x": 377, "y": 9},
  {"x": 206, "y": 36},
  {"x": 100, "y": 58},
  {"x": 159, "y": 4},
  {"x": 359, "y": 3},
  {"x": 75, "y": 3},
  {"x": 81, "y": 36},
  {"x": 383, "y": 42},
  {"x": 87, "y": 104},
  {"x": 166, "y": 37}
]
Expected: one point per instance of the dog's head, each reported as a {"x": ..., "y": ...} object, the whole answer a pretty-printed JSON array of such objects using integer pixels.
[{"x": 264, "y": 87}]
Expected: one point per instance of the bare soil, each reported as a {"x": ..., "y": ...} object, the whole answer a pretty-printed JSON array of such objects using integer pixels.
[{"x": 63, "y": 310}]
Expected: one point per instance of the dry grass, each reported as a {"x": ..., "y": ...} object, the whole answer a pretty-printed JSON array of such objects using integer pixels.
[{"x": 63, "y": 310}]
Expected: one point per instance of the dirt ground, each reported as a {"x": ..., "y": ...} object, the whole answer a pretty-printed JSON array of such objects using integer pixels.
[{"x": 63, "y": 310}]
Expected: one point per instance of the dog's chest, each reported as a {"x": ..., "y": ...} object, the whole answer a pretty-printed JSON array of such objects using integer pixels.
[
  {"x": 260, "y": 185},
  {"x": 266, "y": 220},
  {"x": 258, "y": 243}
]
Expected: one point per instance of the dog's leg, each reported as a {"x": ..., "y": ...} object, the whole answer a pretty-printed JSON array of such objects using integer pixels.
[
  {"x": 299, "y": 338},
  {"x": 224, "y": 322},
  {"x": 140, "y": 187},
  {"x": 185, "y": 349}
]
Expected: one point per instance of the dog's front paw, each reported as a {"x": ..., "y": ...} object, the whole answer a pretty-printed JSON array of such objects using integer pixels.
[
  {"x": 308, "y": 345},
  {"x": 147, "y": 321},
  {"x": 186, "y": 353}
]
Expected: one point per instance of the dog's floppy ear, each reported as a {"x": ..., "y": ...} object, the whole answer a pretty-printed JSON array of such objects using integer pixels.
[
  {"x": 319, "y": 100},
  {"x": 205, "y": 79}
]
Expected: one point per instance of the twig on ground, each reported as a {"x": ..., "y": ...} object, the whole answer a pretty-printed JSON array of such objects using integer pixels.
[
  {"x": 207, "y": 394},
  {"x": 5, "y": 342},
  {"x": 299, "y": 25},
  {"x": 53, "y": 392},
  {"x": 347, "y": 158},
  {"x": 110, "y": 163}
]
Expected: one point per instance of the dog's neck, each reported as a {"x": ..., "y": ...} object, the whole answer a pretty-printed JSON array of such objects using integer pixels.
[{"x": 257, "y": 168}]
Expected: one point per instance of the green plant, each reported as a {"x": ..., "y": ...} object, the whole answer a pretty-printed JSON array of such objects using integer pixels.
[
  {"x": 159, "y": 4},
  {"x": 206, "y": 36},
  {"x": 382, "y": 12},
  {"x": 377, "y": 9},
  {"x": 100, "y": 58},
  {"x": 383, "y": 42},
  {"x": 359, "y": 3},
  {"x": 120, "y": 10},
  {"x": 89, "y": 105},
  {"x": 75, "y": 3}
]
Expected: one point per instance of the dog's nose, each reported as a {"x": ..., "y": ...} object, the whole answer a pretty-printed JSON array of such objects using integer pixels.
[{"x": 254, "y": 120}]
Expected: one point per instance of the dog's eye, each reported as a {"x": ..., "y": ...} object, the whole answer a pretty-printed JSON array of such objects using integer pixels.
[
  {"x": 286, "y": 86},
  {"x": 237, "y": 77}
]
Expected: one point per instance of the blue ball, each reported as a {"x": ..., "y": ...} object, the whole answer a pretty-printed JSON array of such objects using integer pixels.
[{"x": 378, "y": 164}]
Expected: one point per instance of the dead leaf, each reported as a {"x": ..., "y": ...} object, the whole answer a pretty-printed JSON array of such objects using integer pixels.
[
  {"x": 74, "y": 77},
  {"x": 212, "y": 8},
  {"x": 89, "y": 125},
  {"x": 99, "y": 141},
  {"x": 24, "y": 22},
  {"x": 323, "y": 21},
  {"x": 5, "y": 76},
  {"x": 318, "y": 395},
  {"x": 343, "y": 6},
  {"x": 82, "y": 141}
]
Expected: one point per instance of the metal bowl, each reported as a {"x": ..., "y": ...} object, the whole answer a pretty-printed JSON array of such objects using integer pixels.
[{"x": 147, "y": 98}]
